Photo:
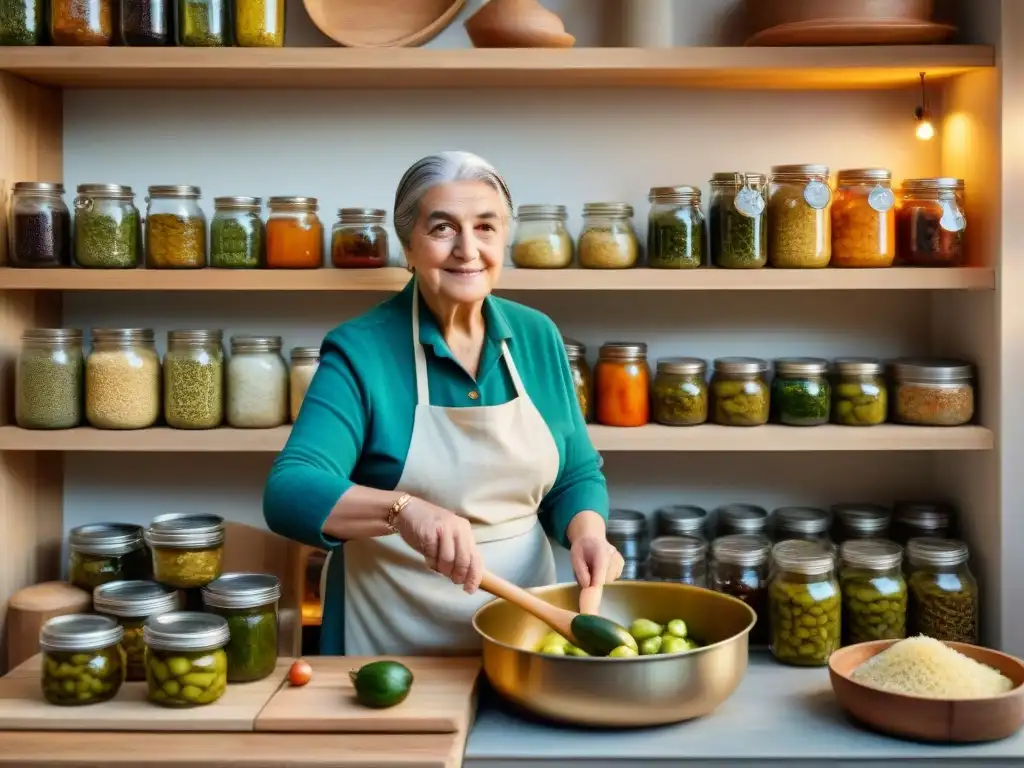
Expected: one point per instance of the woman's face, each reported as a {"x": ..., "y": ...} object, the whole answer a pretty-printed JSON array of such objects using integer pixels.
[{"x": 458, "y": 245}]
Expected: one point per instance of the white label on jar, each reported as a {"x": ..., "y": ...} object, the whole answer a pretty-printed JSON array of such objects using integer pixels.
[
  {"x": 953, "y": 219},
  {"x": 749, "y": 203},
  {"x": 881, "y": 199},
  {"x": 817, "y": 194}
]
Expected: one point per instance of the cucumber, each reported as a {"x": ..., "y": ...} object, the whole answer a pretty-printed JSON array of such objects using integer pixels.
[
  {"x": 599, "y": 636},
  {"x": 381, "y": 684}
]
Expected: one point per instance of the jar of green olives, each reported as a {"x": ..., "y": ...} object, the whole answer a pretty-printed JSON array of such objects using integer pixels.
[
  {"x": 186, "y": 665},
  {"x": 740, "y": 568},
  {"x": 943, "y": 591},
  {"x": 740, "y": 392},
  {"x": 860, "y": 521},
  {"x": 188, "y": 549},
  {"x": 874, "y": 591},
  {"x": 582, "y": 377},
  {"x": 248, "y": 602},
  {"x": 741, "y": 518},
  {"x": 801, "y": 393},
  {"x": 681, "y": 520},
  {"x": 859, "y": 395},
  {"x": 99, "y": 553},
  {"x": 83, "y": 662},
  {"x": 682, "y": 559},
  {"x": 922, "y": 519},
  {"x": 130, "y": 603},
  {"x": 680, "y": 397},
  {"x": 804, "y": 604}
]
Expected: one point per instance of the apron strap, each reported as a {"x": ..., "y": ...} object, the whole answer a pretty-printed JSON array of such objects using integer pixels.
[
  {"x": 422, "y": 385},
  {"x": 512, "y": 370}
]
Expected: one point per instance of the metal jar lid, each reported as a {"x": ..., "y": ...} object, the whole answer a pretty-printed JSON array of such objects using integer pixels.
[
  {"x": 242, "y": 590},
  {"x": 858, "y": 366},
  {"x": 111, "y": 539},
  {"x": 134, "y": 598},
  {"x": 862, "y": 519},
  {"x": 682, "y": 550},
  {"x": 186, "y": 531},
  {"x": 305, "y": 354},
  {"x": 926, "y": 370},
  {"x": 626, "y": 522},
  {"x": 186, "y": 631},
  {"x": 808, "y": 558},
  {"x": 937, "y": 553},
  {"x": 623, "y": 350},
  {"x": 946, "y": 183},
  {"x": 743, "y": 518},
  {"x": 740, "y": 366},
  {"x": 681, "y": 195},
  {"x": 800, "y": 171},
  {"x": 195, "y": 337},
  {"x": 608, "y": 210},
  {"x": 574, "y": 350},
  {"x": 863, "y": 176},
  {"x": 683, "y": 366},
  {"x": 80, "y": 632},
  {"x": 541, "y": 212},
  {"x": 293, "y": 203},
  {"x": 924, "y": 515},
  {"x": 741, "y": 549},
  {"x": 52, "y": 336},
  {"x": 681, "y": 520},
  {"x": 806, "y": 520},
  {"x": 801, "y": 366},
  {"x": 255, "y": 344},
  {"x": 48, "y": 187},
  {"x": 873, "y": 554},
  {"x": 174, "y": 190},
  {"x": 106, "y": 191},
  {"x": 730, "y": 178},
  {"x": 237, "y": 203},
  {"x": 123, "y": 335},
  {"x": 362, "y": 215}
]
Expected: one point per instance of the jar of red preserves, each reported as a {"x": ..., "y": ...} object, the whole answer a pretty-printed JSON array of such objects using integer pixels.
[
  {"x": 930, "y": 223},
  {"x": 359, "y": 240},
  {"x": 622, "y": 384}
]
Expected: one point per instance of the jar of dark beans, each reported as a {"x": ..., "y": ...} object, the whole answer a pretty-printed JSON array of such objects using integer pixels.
[
  {"x": 682, "y": 559},
  {"x": 627, "y": 531},
  {"x": 681, "y": 520},
  {"x": 741, "y": 518},
  {"x": 922, "y": 519},
  {"x": 860, "y": 521},
  {"x": 40, "y": 225},
  {"x": 740, "y": 568}
]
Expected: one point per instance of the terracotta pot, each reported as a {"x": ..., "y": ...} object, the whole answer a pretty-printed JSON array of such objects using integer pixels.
[
  {"x": 517, "y": 24},
  {"x": 766, "y": 14}
]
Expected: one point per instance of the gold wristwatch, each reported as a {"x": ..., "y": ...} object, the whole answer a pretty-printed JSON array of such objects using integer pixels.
[{"x": 396, "y": 509}]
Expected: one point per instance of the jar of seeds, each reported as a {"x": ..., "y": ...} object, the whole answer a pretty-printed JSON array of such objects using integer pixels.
[
  {"x": 107, "y": 227},
  {"x": 48, "y": 382},
  {"x": 122, "y": 379},
  {"x": 194, "y": 380}
]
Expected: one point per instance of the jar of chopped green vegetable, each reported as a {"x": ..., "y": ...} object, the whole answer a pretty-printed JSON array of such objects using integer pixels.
[
  {"x": 859, "y": 396},
  {"x": 739, "y": 392},
  {"x": 130, "y": 603},
  {"x": 801, "y": 393},
  {"x": 874, "y": 591},
  {"x": 738, "y": 220},
  {"x": 22, "y": 22},
  {"x": 204, "y": 23},
  {"x": 943, "y": 591},
  {"x": 99, "y": 553},
  {"x": 186, "y": 665},
  {"x": 582, "y": 377},
  {"x": 248, "y": 602},
  {"x": 194, "y": 379},
  {"x": 108, "y": 229},
  {"x": 188, "y": 549},
  {"x": 237, "y": 233},
  {"x": 82, "y": 659},
  {"x": 804, "y": 604},
  {"x": 675, "y": 229},
  {"x": 680, "y": 397},
  {"x": 48, "y": 380}
]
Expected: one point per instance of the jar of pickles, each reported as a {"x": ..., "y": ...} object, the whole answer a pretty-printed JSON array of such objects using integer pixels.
[
  {"x": 186, "y": 664},
  {"x": 741, "y": 518},
  {"x": 931, "y": 226},
  {"x": 859, "y": 394},
  {"x": 248, "y": 602},
  {"x": 864, "y": 219},
  {"x": 608, "y": 240},
  {"x": 81, "y": 22},
  {"x": 237, "y": 234},
  {"x": 582, "y": 378},
  {"x": 107, "y": 227},
  {"x": 922, "y": 520},
  {"x": 852, "y": 522},
  {"x": 874, "y": 591},
  {"x": 799, "y": 225},
  {"x": 935, "y": 393},
  {"x": 622, "y": 385},
  {"x": 83, "y": 662},
  {"x": 803, "y": 524},
  {"x": 203, "y": 23},
  {"x": 680, "y": 394},
  {"x": 130, "y": 603},
  {"x": 943, "y": 591},
  {"x": 147, "y": 22},
  {"x": 681, "y": 520},
  {"x": 801, "y": 393},
  {"x": 175, "y": 228},
  {"x": 738, "y": 220},
  {"x": 740, "y": 392},
  {"x": 99, "y": 553},
  {"x": 542, "y": 240},
  {"x": 39, "y": 226},
  {"x": 295, "y": 236},
  {"x": 259, "y": 23},
  {"x": 187, "y": 549},
  {"x": 23, "y": 23},
  {"x": 122, "y": 379},
  {"x": 305, "y": 363},
  {"x": 359, "y": 240},
  {"x": 804, "y": 604},
  {"x": 682, "y": 559},
  {"x": 257, "y": 383},
  {"x": 675, "y": 229},
  {"x": 194, "y": 379},
  {"x": 48, "y": 379},
  {"x": 740, "y": 568}
]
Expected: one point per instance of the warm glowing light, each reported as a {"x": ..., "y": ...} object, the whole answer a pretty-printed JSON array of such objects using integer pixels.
[{"x": 925, "y": 130}]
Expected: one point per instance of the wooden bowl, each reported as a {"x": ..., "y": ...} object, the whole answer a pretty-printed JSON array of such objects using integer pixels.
[
  {"x": 923, "y": 719},
  {"x": 517, "y": 24},
  {"x": 382, "y": 23},
  {"x": 765, "y": 15}
]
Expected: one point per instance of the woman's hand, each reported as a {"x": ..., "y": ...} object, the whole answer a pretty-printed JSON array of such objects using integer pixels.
[
  {"x": 594, "y": 561},
  {"x": 444, "y": 539}
]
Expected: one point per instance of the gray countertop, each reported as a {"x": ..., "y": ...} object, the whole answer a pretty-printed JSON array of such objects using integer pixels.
[{"x": 779, "y": 716}]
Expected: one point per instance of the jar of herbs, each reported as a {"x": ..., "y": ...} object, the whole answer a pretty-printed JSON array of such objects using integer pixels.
[
  {"x": 48, "y": 379},
  {"x": 23, "y": 23},
  {"x": 802, "y": 524},
  {"x": 295, "y": 236},
  {"x": 738, "y": 220},
  {"x": 741, "y": 519},
  {"x": 130, "y": 603},
  {"x": 81, "y": 22},
  {"x": 147, "y": 23},
  {"x": 259, "y": 24},
  {"x": 194, "y": 379},
  {"x": 187, "y": 549},
  {"x": 175, "y": 228},
  {"x": 675, "y": 229},
  {"x": 629, "y": 532},
  {"x": 852, "y": 522},
  {"x": 864, "y": 219},
  {"x": 740, "y": 568},
  {"x": 203, "y": 23},
  {"x": 248, "y": 602},
  {"x": 622, "y": 385},
  {"x": 934, "y": 393},
  {"x": 681, "y": 520},
  {"x": 107, "y": 227},
  {"x": 99, "y": 553},
  {"x": 801, "y": 393},
  {"x": 608, "y": 240},
  {"x": 931, "y": 226},
  {"x": 305, "y": 363},
  {"x": 237, "y": 235},
  {"x": 681, "y": 559},
  {"x": 186, "y": 664},
  {"x": 739, "y": 392},
  {"x": 122, "y": 379},
  {"x": 680, "y": 394},
  {"x": 799, "y": 225},
  {"x": 82, "y": 659},
  {"x": 582, "y": 378},
  {"x": 39, "y": 226},
  {"x": 359, "y": 239},
  {"x": 874, "y": 592},
  {"x": 257, "y": 383},
  {"x": 943, "y": 591},
  {"x": 542, "y": 239},
  {"x": 922, "y": 520},
  {"x": 859, "y": 394},
  {"x": 804, "y": 604}
]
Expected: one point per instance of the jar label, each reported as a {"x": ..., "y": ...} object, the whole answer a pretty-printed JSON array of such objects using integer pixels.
[
  {"x": 881, "y": 199},
  {"x": 817, "y": 194},
  {"x": 953, "y": 219},
  {"x": 749, "y": 202}
]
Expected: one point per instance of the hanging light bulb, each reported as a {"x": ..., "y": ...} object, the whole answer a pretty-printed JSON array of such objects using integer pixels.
[{"x": 925, "y": 130}]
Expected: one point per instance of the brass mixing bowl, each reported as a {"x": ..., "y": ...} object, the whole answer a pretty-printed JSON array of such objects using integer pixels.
[{"x": 620, "y": 693}]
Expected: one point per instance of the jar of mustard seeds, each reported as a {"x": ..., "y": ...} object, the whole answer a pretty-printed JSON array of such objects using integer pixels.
[{"x": 175, "y": 228}]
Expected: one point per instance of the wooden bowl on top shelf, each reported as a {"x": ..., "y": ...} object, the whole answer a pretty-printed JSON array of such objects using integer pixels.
[
  {"x": 382, "y": 23},
  {"x": 517, "y": 24}
]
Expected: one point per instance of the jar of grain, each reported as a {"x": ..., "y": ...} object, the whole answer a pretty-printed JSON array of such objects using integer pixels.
[
  {"x": 48, "y": 382},
  {"x": 608, "y": 240},
  {"x": 305, "y": 362},
  {"x": 930, "y": 223},
  {"x": 175, "y": 228},
  {"x": 257, "y": 383},
  {"x": 359, "y": 239},
  {"x": 864, "y": 219},
  {"x": 542, "y": 239},
  {"x": 194, "y": 379},
  {"x": 799, "y": 226},
  {"x": 107, "y": 227},
  {"x": 936, "y": 393},
  {"x": 82, "y": 22},
  {"x": 675, "y": 229},
  {"x": 122, "y": 379},
  {"x": 582, "y": 376}
]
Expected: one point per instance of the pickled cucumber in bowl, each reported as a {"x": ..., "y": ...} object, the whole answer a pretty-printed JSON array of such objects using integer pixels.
[{"x": 652, "y": 639}]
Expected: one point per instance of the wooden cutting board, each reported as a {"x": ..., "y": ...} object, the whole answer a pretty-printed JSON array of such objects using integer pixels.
[{"x": 442, "y": 700}]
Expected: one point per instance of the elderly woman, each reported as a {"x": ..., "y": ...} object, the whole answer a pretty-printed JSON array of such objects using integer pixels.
[{"x": 441, "y": 428}]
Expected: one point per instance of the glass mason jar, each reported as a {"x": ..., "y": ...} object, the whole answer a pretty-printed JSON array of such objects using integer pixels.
[
  {"x": 81, "y": 22},
  {"x": 803, "y": 524},
  {"x": 48, "y": 379},
  {"x": 582, "y": 377},
  {"x": 852, "y": 522},
  {"x": 259, "y": 23},
  {"x": 130, "y": 603},
  {"x": 859, "y": 394},
  {"x": 175, "y": 228},
  {"x": 187, "y": 549},
  {"x": 675, "y": 229},
  {"x": 122, "y": 379},
  {"x": 147, "y": 23},
  {"x": 874, "y": 591},
  {"x": 607, "y": 239},
  {"x": 359, "y": 239},
  {"x": 622, "y": 385},
  {"x": 627, "y": 530},
  {"x": 295, "y": 236},
  {"x": 740, "y": 392},
  {"x": 194, "y": 379},
  {"x": 738, "y": 220},
  {"x": 248, "y": 602},
  {"x": 23, "y": 22},
  {"x": 99, "y": 553},
  {"x": 237, "y": 234},
  {"x": 257, "y": 383},
  {"x": 931, "y": 226},
  {"x": 680, "y": 394},
  {"x": 82, "y": 659},
  {"x": 39, "y": 229},
  {"x": 682, "y": 559},
  {"x": 922, "y": 520},
  {"x": 741, "y": 518},
  {"x": 542, "y": 240},
  {"x": 799, "y": 226},
  {"x": 804, "y": 604},
  {"x": 935, "y": 393},
  {"x": 305, "y": 363},
  {"x": 681, "y": 520},
  {"x": 943, "y": 591},
  {"x": 740, "y": 568},
  {"x": 864, "y": 219},
  {"x": 186, "y": 665},
  {"x": 203, "y": 23},
  {"x": 801, "y": 393},
  {"x": 107, "y": 227}
]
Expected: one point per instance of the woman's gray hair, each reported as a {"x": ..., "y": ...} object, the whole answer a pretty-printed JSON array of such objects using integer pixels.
[{"x": 442, "y": 168}]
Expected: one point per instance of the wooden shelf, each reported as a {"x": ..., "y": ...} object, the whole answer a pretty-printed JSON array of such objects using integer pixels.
[
  {"x": 736, "y": 67},
  {"x": 394, "y": 279},
  {"x": 652, "y": 438}
]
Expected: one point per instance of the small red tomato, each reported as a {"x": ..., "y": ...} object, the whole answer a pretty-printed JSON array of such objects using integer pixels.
[{"x": 300, "y": 673}]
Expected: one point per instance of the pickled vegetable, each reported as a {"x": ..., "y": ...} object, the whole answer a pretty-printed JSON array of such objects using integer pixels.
[
  {"x": 88, "y": 571},
  {"x": 187, "y": 568},
  {"x": 801, "y": 402},
  {"x": 71, "y": 678},
  {"x": 859, "y": 404},
  {"x": 622, "y": 389},
  {"x": 804, "y": 621},
  {"x": 134, "y": 650},
  {"x": 737, "y": 403},
  {"x": 252, "y": 650},
  {"x": 186, "y": 679},
  {"x": 679, "y": 399},
  {"x": 650, "y": 638},
  {"x": 622, "y": 652},
  {"x": 874, "y": 605},
  {"x": 943, "y": 606}
]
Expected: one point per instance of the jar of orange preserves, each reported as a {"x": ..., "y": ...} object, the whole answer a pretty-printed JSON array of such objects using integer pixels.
[
  {"x": 622, "y": 384},
  {"x": 864, "y": 219},
  {"x": 295, "y": 235}
]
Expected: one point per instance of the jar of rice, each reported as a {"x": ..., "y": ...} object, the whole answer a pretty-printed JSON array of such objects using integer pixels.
[
  {"x": 122, "y": 379},
  {"x": 305, "y": 361},
  {"x": 257, "y": 383}
]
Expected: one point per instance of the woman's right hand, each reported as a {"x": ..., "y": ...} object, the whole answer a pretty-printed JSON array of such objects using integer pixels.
[{"x": 444, "y": 539}]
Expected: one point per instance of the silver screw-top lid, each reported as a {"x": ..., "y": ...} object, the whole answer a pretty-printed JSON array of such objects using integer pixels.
[
  {"x": 609, "y": 210},
  {"x": 174, "y": 190},
  {"x": 801, "y": 366},
  {"x": 574, "y": 350},
  {"x": 862, "y": 519},
  {"x": 937, "y": 553},
  {"x": 186, "y": 631},
  {"x": 105, "y": 539},
  {"x": 683, "y": 366},
  {"x": 924, "y": 515},
  {"x": 872, "y": 554},
  {"x": 740, "y": 366},
  {"x": 809, "y": 558},
  {"x": 623, "y": 350},
  {"x": 134, "y": 599},
  {"x": 255, "y": 344},
  {"x": 626, "y": 522},
  {"x": 806, "y": 520},
  {"x": 186, "y": 531},
  {"x": 542, "y": 212},
  {"x": 242, "y": 590},
  {"x": 742, "y": 518},
  {"x": 682, "y": 550},
  {"x": 932, "y": 371},
  {"x": 305, "y": 354},
  {"x": 858, "y": 366},
  {"x": 79, "y": 632},
  {"x": 741, "y": 549},
  {"x": 681, "y": 520},
  {"x": 52, "y": 335}
]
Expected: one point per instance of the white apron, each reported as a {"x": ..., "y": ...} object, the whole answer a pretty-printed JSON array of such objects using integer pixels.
[{"x": 490, "y": 464}]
